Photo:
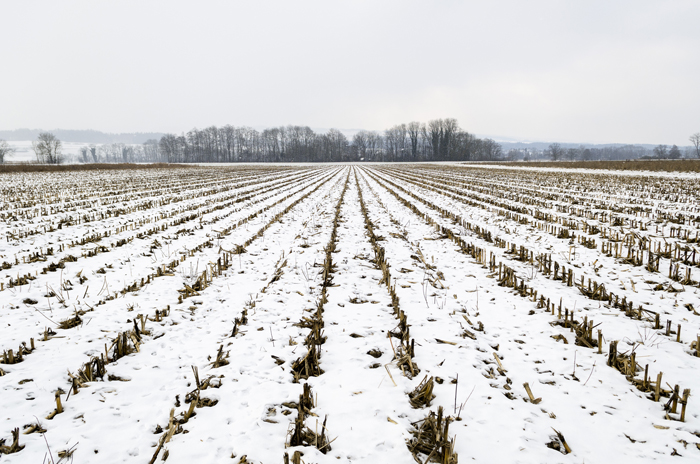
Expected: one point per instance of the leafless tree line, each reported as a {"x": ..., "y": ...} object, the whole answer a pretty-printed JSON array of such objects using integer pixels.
[
  {"x": 232, "y": 144},
  {"x": 438, "y": 140},
  {"x": 147, "y": 152},
  {"x": 556, "y": 152},
  {"x": 582, "y": 153}
]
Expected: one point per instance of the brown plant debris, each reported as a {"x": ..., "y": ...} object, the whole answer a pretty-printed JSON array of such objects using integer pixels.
[
  {"x": 431, "y": 439},
  {"x": 422, "y": 395},
  {"x": 558, "y": 442},
  {"x": 14, "y": 447}
]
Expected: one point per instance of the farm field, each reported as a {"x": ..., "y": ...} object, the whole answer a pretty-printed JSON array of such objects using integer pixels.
[{"x": 349, "y": 313}]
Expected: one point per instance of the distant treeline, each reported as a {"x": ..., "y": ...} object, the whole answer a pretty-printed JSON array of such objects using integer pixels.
[
  {"x": 81, "y": 136},
  {"x": 437, "y": 140},
  {"x": 557, "y": 152}
]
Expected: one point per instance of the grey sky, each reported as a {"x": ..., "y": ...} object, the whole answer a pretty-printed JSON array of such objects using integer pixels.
[{"x": 571, "y": 71}]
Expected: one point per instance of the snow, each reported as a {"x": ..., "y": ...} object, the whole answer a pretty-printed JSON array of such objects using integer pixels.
[{"x": 278, "y": 280}]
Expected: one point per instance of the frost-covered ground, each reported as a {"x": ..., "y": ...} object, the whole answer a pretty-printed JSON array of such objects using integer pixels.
[{"x": 122, "y": 289}]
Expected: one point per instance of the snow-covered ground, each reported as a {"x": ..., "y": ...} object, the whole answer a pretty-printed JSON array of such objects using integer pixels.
[{"x": 219, "y": 273}]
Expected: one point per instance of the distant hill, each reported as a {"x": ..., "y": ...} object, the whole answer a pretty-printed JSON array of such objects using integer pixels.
[{"x": 80, "y": 136}]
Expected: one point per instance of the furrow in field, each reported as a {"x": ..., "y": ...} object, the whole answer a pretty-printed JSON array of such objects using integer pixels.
[
  {"x": 670, "y": 263},
  {"x": 262, "y": 396},
  {"x": 66, "y": 245},
  {"x": 573, "y": 301},
  {"x": 358, "y": 314},
  {"x": 501, "y": 322},
  {"x": 135, "y": 262},
  {"x": 90, "y": 339}
]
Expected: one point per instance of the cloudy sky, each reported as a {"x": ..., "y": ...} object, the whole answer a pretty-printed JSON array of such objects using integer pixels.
[{"x": 569, "y": 71}]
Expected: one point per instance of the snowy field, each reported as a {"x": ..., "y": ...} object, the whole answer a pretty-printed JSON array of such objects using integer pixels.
[{"x": 331, "y": 313}]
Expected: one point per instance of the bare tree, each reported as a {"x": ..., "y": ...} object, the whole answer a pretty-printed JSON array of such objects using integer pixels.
[
  {"x": 695, "y": 140},
  {"x": 168, "y": 147},
  {"x": 5, "y": 149},
  {"x": 401, "y": 139},
  {"x": 84, "y": 155},
  {"x": 674, "y": 153},
  {"x": 583, "y": 152},
  {"x": 271, "y": 144},
  {"x": 48, "y": 149},
  {"x": 442, "y": 134},
  {"x": 432, "y": 132},
  {"x": 414, "y": 131},
  {"x": 228, "y": 139},
  {"x": 127, "y": 154},
  {"x": 396, "y": 142},
  {"x": 93, "y": 153},
  {"x": 450, "y": 128},
  {"x": 555, "y": 151},
  {"x": 375, "y": 146},
  {"x": 359, "y": 141},
  {"x": 661, "y": 151},
  {"x": 112, "y": 153},
  {"x": 492, "y": 150},
  {"x": 150, "y": 151},
  {"x": 336, "y": 145}
]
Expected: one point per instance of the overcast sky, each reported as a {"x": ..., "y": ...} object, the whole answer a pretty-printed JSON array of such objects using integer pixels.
[{"x": 569, "y": 71}]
